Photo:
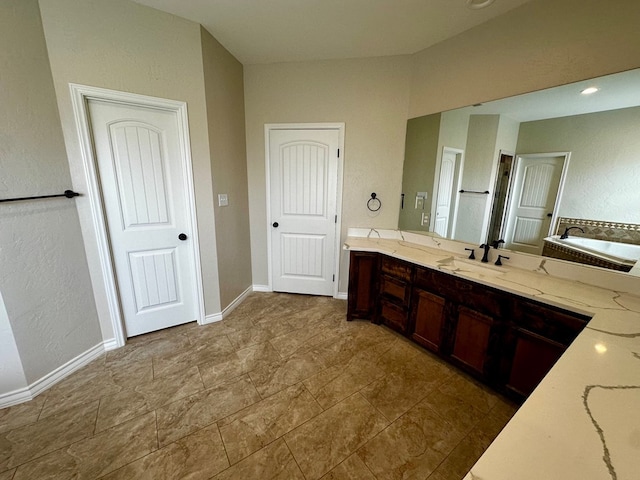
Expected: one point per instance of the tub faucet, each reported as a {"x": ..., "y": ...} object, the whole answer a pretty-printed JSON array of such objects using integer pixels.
[{"x": 566, "y": 232}]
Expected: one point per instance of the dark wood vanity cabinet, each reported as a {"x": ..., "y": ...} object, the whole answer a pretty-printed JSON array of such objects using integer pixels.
[
  {"x": 463, "y": 320},
  {"x": 394, "y": 291},
  {"x": 537, "y": 337},
  {"x": 428, "y": 317},
  {"x": 363, "y": 272},
  {"x": 531, "y": 357},
  {"x": 476, "y": 343},
  {"x": 507, "y": 341}
]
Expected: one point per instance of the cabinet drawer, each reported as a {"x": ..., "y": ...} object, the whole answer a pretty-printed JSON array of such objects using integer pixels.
[
  {"x": 393, "y": 316},
  {"x": 429, "y": 279},
  {"x": 557, "y": 325},
  {"x": 396, "y": 268},
  {"x": 394, "y": 289},
  {"x": 465, "y": 292}
]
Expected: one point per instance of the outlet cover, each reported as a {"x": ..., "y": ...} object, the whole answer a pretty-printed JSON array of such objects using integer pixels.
[{"x": 223, "y": 200}]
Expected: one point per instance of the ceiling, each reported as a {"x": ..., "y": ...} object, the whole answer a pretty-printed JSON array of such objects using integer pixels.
[
  {"x": 616, "y": 91},
  {"x": 270, "y": 31}
]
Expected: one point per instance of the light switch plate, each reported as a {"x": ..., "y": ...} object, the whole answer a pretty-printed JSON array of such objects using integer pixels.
[{"x": 223, "y": 200}]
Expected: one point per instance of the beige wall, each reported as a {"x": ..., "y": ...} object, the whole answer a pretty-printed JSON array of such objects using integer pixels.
[
  {"x": 476, "y": 176},
  {"x": 44, "y": 279},
  {"x": 603, "y": 173},
  {"x": 370, "y": 96},
  {"x": 542, "y": 44},
  {"x": 223, "y": 81},
  {"x": 421, "y": 152},
  {"x": 123, "y": 46}
]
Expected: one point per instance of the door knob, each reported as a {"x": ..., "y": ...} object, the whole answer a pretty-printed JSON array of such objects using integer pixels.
[
  {"x": 182, "y": 236},
  {"x": 549, "y": 215},
  {"x": 276, "y": 224}
]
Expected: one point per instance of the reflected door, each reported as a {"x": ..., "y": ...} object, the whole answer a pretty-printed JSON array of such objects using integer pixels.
[
  {"x": 445, "y": 200},
  {"x": 140, "y": 165},
  {"x": 303, "y": 166},
  {"x": 531, "y": 210}
]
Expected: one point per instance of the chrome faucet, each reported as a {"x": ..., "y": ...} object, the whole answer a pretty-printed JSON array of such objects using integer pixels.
[{"x": 566, "y": 232}]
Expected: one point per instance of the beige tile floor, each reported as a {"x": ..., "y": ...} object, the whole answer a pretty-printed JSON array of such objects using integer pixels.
[{"x": 284, "y": 388}]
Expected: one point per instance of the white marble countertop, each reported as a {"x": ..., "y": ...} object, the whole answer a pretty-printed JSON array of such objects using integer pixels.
[{"x": 583, "y": 420}]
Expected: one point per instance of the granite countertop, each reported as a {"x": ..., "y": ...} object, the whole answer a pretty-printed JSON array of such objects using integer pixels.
[{"x": 583, "y": 420}]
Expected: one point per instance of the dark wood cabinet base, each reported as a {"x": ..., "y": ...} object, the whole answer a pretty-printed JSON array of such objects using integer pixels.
[{"x": 506, "y": 341}]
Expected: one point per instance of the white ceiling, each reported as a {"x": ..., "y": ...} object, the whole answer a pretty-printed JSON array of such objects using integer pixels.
[
  {"x": 269, "y": 31},
  {"x": 620, "y": 90}
]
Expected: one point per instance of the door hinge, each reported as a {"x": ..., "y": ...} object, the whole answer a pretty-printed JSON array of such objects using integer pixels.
[
  {"x": 338, "y": 153},
  {"x": 335, "y": 220},
  {"x": 334, "y": 278}
]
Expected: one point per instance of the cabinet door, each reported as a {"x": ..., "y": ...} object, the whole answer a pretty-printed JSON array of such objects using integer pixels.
[
  {"x": 363, "y": 270},
  {"x": 475, "y": 342},
  {"x": 427, "y": 319},
  {"x": 533, "y": 357}
]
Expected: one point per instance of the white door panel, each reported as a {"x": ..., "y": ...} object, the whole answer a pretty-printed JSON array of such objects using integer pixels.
[
  {"x": 535, "y": 192},
  {"x": 303, "y": 175},
  {"x": 450, "y": 167},
  {"x": 146, "y": 205}
]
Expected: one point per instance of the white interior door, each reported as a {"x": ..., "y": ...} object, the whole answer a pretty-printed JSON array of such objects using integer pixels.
[
  {"x": 445, "y": 200},
  {"x": 146, "y": 203},
  {"x": 533, "y": 201},
  {"x": 303, "y": 171}
]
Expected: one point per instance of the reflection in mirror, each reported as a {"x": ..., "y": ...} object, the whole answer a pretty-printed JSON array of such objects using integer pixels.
[{"x": 527, "y": 167}]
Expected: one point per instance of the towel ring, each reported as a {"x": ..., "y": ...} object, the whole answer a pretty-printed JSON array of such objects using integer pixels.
[{"x": 374, "y": 203}]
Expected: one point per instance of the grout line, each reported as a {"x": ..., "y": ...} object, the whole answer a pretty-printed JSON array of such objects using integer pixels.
[
  {"x": 293, "y": 456},
  {"x": 155, "y": 414},
  {"x": 224, "y": 446},
  {"x": 95, "y": 423}
]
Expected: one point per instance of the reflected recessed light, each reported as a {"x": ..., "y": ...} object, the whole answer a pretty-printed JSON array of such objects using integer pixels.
[
  {"x": 479, "y": 3},
  {"x": 589, "y": 91},
  {"x": 600, "y": 348}
]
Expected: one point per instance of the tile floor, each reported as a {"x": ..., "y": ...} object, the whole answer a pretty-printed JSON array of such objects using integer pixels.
[{"x": 284, "y": 388}]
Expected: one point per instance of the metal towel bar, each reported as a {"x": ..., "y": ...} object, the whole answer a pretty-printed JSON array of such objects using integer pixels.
[
  {"x": 67, "y": 193},
  {"x": 486, "y": 192}
]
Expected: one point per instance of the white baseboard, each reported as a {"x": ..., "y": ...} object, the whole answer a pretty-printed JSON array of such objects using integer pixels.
[
  {"x": 342, "y": 296},
  {"x": 216, "y": 317},
  {"x": 213, "y": 318},
  {"x": 262, "y": 288},
  {"x": 50, "y": 379},
  {"x": 15, "y": 397},
  {"x": 111, "y": 344}
]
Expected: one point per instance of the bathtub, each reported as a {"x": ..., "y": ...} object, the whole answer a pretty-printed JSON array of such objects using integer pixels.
[{"x": 621, "y": 253}]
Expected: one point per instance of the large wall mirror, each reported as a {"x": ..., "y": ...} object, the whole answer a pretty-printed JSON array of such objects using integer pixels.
[{"x": 517, "y": 168}]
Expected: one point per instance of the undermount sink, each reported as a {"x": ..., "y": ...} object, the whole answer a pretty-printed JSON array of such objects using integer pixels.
[{"x": 470, "y": 266}]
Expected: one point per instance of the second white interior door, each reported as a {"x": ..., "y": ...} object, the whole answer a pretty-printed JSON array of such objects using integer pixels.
[
  {"x": 533, "y": 201},
  {"x": 303, "y": 168}
]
